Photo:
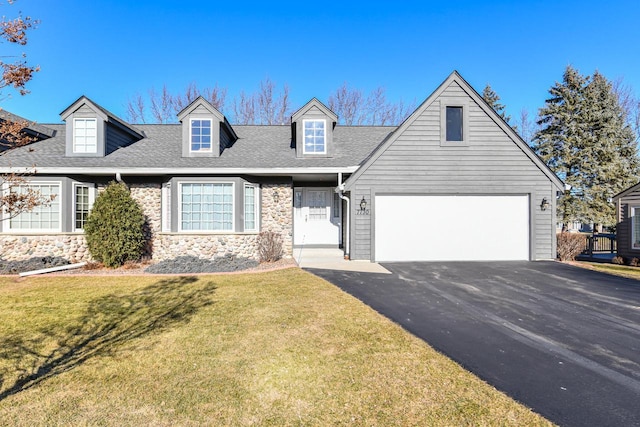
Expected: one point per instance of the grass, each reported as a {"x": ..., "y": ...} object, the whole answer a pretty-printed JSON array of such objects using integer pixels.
[
  {"x": 617, "y": 270},
  {"x": 279, "y": 348}
]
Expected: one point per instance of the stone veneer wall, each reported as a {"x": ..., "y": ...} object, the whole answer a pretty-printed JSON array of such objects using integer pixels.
[
  {"x": 276, "y": 216},
  {"x": 71, "y": 246}
]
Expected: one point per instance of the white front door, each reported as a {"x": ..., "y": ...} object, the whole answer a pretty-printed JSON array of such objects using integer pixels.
[{"x": 316, "y": 217}]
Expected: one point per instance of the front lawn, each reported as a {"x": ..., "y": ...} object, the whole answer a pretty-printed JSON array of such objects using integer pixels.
[
  {"x": 278, "y": 348},
  {"x": 615, "y": 269}
]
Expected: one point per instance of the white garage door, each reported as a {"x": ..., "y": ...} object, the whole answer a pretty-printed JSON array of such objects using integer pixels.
[{"x": 451, "y": 228}]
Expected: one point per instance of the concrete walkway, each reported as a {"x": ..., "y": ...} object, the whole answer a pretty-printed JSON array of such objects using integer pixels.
[{"x": 333, "y": 259}]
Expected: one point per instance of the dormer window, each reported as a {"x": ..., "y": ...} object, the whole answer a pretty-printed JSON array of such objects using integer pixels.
[
  {"x": 200, "y": 135},
  {"x": 85, "y": 135},
  {"x": 314, "y": 137},
  {"x": 312, "y": 130}
]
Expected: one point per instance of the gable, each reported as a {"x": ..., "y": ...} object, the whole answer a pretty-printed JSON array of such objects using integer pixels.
[{"x": 491, "y": 153}]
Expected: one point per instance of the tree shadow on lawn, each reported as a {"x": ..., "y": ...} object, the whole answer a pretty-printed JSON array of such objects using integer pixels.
[{"x": 108, "y": 323}]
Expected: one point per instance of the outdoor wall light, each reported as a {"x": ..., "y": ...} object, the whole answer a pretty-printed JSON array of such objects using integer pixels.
[
  {"x": 363, "y": 204},
  {"x": 545, "y": 204},
  {"x": 276, "y": 196}
]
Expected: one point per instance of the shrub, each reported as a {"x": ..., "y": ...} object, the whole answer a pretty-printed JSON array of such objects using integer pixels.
[
  {"x": 633, "y": 262},
  {"x": 570, "y": 245},
  {"x": 115, "y": 227},
  {"x": 617, "y": 260},
  {"x": 269, "y": 246}
]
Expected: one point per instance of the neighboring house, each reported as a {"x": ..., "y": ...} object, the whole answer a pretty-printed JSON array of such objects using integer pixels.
[
  {"x": 453, "y": 182},
  {"x": 628, "y": 222},
  {"x": 31, "y": 130}
]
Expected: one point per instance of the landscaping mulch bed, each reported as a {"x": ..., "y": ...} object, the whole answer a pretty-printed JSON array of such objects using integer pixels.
[{"x": 180, "y": 265}]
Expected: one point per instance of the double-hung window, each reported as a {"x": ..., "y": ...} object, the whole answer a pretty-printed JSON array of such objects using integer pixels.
[
  {"x": 206, "y": 207},
  {"x": 200, "y": 131},
  {"x": 250, "y": 208},
  {"x": 44, "y": 217},
  {"x": 85, "y": 135},
  {"x": 314, "y": 137},
  {"x": 635, "y": 227},
  {"x": 82, "y": 201}
]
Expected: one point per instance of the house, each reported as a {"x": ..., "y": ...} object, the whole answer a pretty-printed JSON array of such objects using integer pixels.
[
  {"x": 452, "y": 182},
  {"x": 628, "y": 222}
]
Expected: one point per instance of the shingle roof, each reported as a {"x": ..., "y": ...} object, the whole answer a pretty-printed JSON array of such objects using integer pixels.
[
  {"x": 33, "y": 127},
  {"x": 256, "y": 147}
]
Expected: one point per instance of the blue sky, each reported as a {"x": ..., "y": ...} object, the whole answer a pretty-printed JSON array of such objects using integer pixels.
[{"x": 111, "y": 50}]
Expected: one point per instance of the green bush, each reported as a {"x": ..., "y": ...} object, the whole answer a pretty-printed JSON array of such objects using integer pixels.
[{"x": 115, "y": 227}]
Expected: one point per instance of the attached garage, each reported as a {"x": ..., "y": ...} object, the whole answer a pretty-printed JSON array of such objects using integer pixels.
[
  {"x": 453, "y": 182},
  {"x": 452, "y": 228}
]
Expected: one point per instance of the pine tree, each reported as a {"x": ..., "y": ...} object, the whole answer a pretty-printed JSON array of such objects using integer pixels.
[
  {"x": 612, "y": 164},
  {"x": 493, "y": 99},
  {"x": 585, "y": 140}
]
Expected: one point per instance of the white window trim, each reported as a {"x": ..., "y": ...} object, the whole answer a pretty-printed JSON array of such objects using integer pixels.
[
  {"x": 256, "y": 207},
  {"x": 233, "y": 207},
  {"x": 631, "y": 240},
  {"x": 191, "y": 150},
  {"x": 73, "y": 142},
  {"x": 165, "y": 203},
  {"x": 336, "y": 206},
  {"x": 39, "y": 230},
  {"x": 92, "y": 197},
  {"x": 454, "y": 102},
  {"x": 304, "y": 142}
]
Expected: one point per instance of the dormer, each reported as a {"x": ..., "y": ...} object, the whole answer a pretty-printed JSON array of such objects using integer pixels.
[
  {"x": 92, "y": 131},
  {"x": 205, "y": 130},
  {"x": 312, "y": 130}
]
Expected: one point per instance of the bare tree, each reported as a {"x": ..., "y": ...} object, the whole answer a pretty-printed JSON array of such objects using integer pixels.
[
  {"x": 526, "y": 127},
  {"x": 136, "y": 109},
  {"x": 15, "y": 196},
  {"x": 244, "y": 109},
  {"x": 353, "y": 108},
  {"x": 630, "y": 104},
  {"x": 16, "y": 74},
  {"x": 164, "y": 106},
  {"x": 272, "y": 109},
  {"x": 348, "y": 104}
]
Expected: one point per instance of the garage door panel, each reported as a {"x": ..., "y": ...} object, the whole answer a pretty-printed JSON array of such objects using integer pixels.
[{"x": 451, "y": 228}]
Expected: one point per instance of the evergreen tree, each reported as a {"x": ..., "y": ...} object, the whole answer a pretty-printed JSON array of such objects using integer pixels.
[
  {"x": 585, "y": 140},
  {"x": 611, "y": 163},
  {"x": 493, "y": 99},
  {"x": 115, "y": 227}
]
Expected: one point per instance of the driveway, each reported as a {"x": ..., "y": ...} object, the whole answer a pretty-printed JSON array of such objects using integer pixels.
[{"x": 562, "y": 340}]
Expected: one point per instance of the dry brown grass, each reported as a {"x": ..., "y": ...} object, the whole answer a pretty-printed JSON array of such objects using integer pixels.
[{"x": 279, "y": 348}]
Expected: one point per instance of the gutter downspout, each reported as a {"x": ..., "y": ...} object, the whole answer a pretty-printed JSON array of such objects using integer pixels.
[
  {"x": 340, "y": 191},
  {"x": 119, "y": 179}
]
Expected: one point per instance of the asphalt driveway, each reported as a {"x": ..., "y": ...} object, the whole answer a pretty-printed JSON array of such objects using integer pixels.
[{"x": 562, "y": 340}]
